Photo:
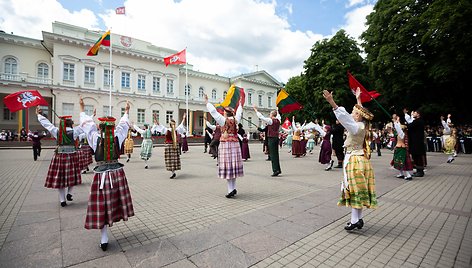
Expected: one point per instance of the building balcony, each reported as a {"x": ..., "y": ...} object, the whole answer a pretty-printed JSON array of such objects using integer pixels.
[{"x": 24, "y": 77}]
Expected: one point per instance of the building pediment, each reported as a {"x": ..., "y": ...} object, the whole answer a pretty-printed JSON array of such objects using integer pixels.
[{"x": 259, "y": 77}]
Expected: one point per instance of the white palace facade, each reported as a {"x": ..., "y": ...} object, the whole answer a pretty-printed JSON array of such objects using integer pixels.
[{"x": 59, "y": 69}]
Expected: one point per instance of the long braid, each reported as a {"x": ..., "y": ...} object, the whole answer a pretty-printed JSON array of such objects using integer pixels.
[{"x": 367, "y": 138}]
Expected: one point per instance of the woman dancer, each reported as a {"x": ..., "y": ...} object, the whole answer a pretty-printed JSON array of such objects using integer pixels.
[
  {"x": 146, "y": 145},
  {"x": 401, "y": 156},
  {"x": 326, "y": 150}
]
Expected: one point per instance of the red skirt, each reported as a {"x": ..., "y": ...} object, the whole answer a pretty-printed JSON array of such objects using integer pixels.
[
  {"x": 64, "y": 171},
  {"x": 297, "y": 148},
  {"x": 85, "y": 156},
  {"x": 110, "y": 204}
]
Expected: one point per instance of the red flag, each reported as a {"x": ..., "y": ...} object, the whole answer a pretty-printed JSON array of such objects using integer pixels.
[
  {"x": 177, "y": 58},
  {"x": 287, "y": 124},
  {"x": 24, "y": 99},
  {"x": 366, "y": 96},
  {"x": 120, "y": 11}
]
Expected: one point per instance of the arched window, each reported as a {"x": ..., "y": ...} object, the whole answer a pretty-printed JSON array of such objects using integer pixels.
[
  {"x": 187, "y": 90},
  {"x": 43, "y": 70},
  {"x": 201, "y": 91},
  {"x": 11, "y": 66},
  {"x": 213, "y": 94}
]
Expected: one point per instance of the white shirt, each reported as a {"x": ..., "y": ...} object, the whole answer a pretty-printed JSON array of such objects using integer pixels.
[{"x": 90, "y": 128}]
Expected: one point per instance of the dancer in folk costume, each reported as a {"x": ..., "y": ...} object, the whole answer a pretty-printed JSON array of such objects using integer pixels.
[
  {"x": 129, "y": 145},
  {"x": 273, "y": 127},
  {"x": 215, "y": 138},
  {"x": 146, "y": 145},
  {"x": 230, "y": 164},
  {"x": 358, "y": 186},
  {"x": 85, "y": 153},
  {"x": 289, "y": 140},
  {"x": 416, "y": 142},
  {"x": 401, "y": 156},
  {"x": 184, "y": 142},
  {"x": 110, "y": 199},
  {"x": 208, "y": 135},
  {"x": 36, "y": 140},
  {"x": 338, "y": 140},
  {"x": 297, "y": 150},
  {"x": 449, "y": 138},
  {"x": 245, "y": 155},
  {"x": 171, "y": 150},
  {"x": 64, "y": 170},
  {"x": 310, "y": 145},
  {"x": 326, "y": 149}
]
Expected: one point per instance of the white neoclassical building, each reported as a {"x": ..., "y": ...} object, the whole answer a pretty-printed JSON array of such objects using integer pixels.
[{"x": 59, "y": 69}]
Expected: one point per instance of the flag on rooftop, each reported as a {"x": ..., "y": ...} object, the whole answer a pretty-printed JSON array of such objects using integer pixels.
[{"x": 177, "y": 58}]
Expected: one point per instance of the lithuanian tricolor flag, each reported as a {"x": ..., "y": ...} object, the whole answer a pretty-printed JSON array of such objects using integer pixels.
[
  {"x": 286, "y": 103},
  {"x": 102, "y": 41},
  {"x": 233, "y": 96}
]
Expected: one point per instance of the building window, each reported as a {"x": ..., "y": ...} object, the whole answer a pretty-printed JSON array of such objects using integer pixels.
[
  {"x": 141, "y": 116},
  {"x": 141, "y": 82},
  {"x": 44, "y": 110},
  {"x": 156, "y": 85},
  {"x": 122, "y": 111},
  {"x": 125, "y": 79},
  {"x": 43, "y": 70},
  {"x": 88, "y": 109},
  {"x": 259, "y": 100},
  {"x": 106, "y": 77},
  {"x": 11, "y": 66},
  {"x": 170, "y": 86},
  {"x": 269, "y": 101},
  {"x": 249, "y": 122},
  {"x": 187, "y": 90},
  {"x": 224, "y": 94},
  {"x": 169, "y": 116},
  {"x": 107, "y": 111},
  {"x": 200, "y": 121},
  {"x": 249, "y": 98},
  {"x": 67, "y": 108},
  {"x": 7, "y": 115},
  {"x": 213, "y": 94},
  {"x": 201, "y": 92},
  {"x": 69, "y": 70},
  {"x": 89, "y": 75}
]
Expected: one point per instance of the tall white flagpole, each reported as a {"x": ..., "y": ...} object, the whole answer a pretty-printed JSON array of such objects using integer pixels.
[
  {"x": 110, "y": 76},
  {"x": 186, "y": 91}
]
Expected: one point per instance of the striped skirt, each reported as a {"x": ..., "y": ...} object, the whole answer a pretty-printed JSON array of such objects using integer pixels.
[
  {"x": 85, "y": 156},
  {"x": 360, "y": 189},
  {"x": 129, "y": 145},
  {"x": 64, "y": 171},
  {"x": 449, "y": 144},
  {"x": 146, "y": 149},
  {"x": 172, "y": 157},
  {"x": 230, "y": 164},
  {"x": 110, "y": 204}
]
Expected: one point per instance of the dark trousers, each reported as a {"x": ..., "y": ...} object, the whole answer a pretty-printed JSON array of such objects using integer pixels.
[
  {"x": 273, "y": 144},
  {"x": 378, "y": 149},
  {"x": 36, "y": 152}
]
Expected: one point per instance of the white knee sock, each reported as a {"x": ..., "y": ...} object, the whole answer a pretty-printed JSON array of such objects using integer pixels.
[
  {"x": 450, "y": 157},
  {"x": 230, "y": 185},
  {"x": 104, "y": 233},
  {"x": 62, "y": 194},
  {"x": 233, "y": 183},
  {"x": 407, "y": 174},
  {"x": 354, "y": 215},
  {"x": 145, "y": 161},
  {"x": 359, "y": 214},
  {"x": 69, "y": 190},
  {"x": 401, "y": 173}
]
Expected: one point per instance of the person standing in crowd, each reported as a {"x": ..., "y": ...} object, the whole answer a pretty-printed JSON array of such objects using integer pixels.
[
  {"x": 358, "y": 186},
  {"x": 171, "y": 149},
  {"x": 230, "y": 164},
  {"x": 415, "y": 125},
  {"x": 377, "y": 135},
  {"x": 401, "y": 156},
  {"x": 241, "y": 133},
  {"x": 265, "y": 141},
  {"x": 64, "y": 170},
  {"x": 146, "y": 144},
  {"x": 184, "y": 142},
  {"x": 245, "y": 155},
  {"x": 215, "y": 140},
  {"x": 338, "y": 140},
  {"x": 326, "y": 150},
  {"x": 23, "y": 134},
  {"x": 449, "y": 139},
  {"x": 36, "y": 140},
  {"x": 129, "y": 145},
  {"x": 208, "y": 135},
  {"x": 273, "y": 127},
  {"x": 110, "y": 199},
  {"x": 297, "y": 150},
  {"x": 85, "y": 153},
  {"x": 310, "y": 136}
]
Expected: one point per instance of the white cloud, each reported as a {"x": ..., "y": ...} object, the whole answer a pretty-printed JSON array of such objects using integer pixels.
[
  {"x": 352, "y": 3},
  {"x": 356, "y": 21}
]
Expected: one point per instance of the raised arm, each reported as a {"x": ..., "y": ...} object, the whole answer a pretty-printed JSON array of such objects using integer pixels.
[
  {"x": 121, "y": 130},
  {"x": 46, "y": 123},
  {"x": 181, "y": 128},
  {"x": 213, "y": 127},
  {"x": 320, "y": 130},
  {"x": 397, "y": 126},
  {"x": 214, "y": 113},
  {"x": 341, "y": 114},
  {"x": 266, "y": 120},
  {"x": 88, "y": 126}
]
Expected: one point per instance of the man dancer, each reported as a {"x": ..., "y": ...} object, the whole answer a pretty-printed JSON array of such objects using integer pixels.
[
  {"x": 415, "y": 125},
  {"x": 36, "y": 139},
  {"x": 273, "y": 125}
]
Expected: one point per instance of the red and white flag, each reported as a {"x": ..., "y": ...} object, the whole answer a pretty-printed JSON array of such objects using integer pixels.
[
  {"x": 120, "y": 11},
  {"x": 24, "y": 99},
  {"x": 177, "y": 58},
  {"x": 287, "y": 124}
]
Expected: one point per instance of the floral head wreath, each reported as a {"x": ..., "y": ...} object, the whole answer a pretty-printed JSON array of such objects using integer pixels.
[{"x": 364, "y": 112}]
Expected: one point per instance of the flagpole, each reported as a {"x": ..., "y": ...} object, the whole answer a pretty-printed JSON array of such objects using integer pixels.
[
  {"x": 186, "y": 90},
  {"x": 110, "y": 76}
]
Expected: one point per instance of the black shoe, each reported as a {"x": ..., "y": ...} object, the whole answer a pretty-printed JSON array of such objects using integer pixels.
[
  {"x": 361, "y": 224},
  {"x": 268, "y": 159},
  {"x": 331, "y": 164},
  {"x": 350, "y": 226},
  {"x": 408, "y": 178},
  {"x": 63, "y": 204},
  {"x": 231, "y": 194},
  {"x": 400, "y": 176},
  {"x": 69, "y": 197},
  {"x": 84, "y": 171},
  {"x": 418, "y": 174},
  {"x": 104, "y": 246},
  {"x": 127, "y": 160},
  {"x": 339, "y": 166},
  {"x": 87, "y": 169},
  {"x": 173, "y": 176},
  {"x": 450, "y": 161},
  {"x": 146, "y": 167}
]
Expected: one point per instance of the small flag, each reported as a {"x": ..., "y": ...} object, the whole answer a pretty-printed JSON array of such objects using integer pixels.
[
  {"x": 286, "y": 103},
  {"x": 366, "y": 96},
  {"x": 120, "y": 11},
  {"x": 234, "y": 96},
  {"x": 24, "y": 99},
  {"x": 102, "y": 41},
  {"x": 177, "y": 58},
  {"x": 287, "y": 124}
]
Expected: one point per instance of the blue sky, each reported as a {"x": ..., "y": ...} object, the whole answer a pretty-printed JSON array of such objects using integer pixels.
[{"x": 226, "y": 37}]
